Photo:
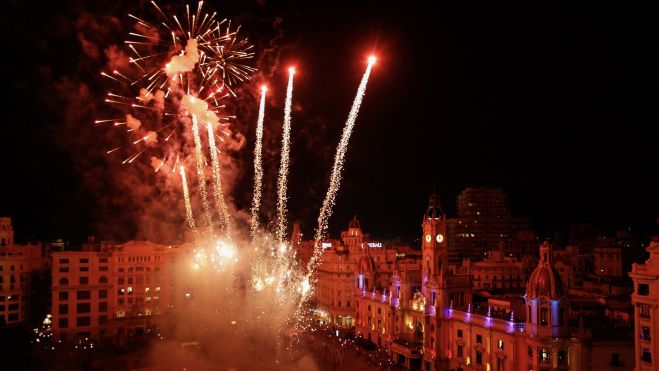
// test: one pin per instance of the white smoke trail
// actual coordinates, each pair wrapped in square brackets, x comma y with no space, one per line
[186,195]
[283,166]
[217,183]
[258,169]
[201,173]
[335,178]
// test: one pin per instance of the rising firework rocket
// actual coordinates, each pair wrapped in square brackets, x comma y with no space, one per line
[258,168]
[335,178]
[283,166]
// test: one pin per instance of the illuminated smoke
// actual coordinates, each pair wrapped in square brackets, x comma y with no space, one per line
[201,174]
[258,169]
[335,177]
[217,183]
[188,206]
[132,122]
[186,61]
[283,166]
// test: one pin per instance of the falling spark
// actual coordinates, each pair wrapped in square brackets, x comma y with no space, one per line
[283,166]
[201,176]
[335,177]
[217,183]
[188,206]
[258,168]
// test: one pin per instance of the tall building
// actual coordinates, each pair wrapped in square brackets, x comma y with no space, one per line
[646,310]
[23,275]
[483,221]
[112,291]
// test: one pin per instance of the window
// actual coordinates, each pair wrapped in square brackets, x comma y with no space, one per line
[646,355]
[500,344]
[83,308]
[64,269]
[459,333]
[459,351]
[103,260]
[83,321]
[63,281]
[84,295]
[544,314]
[121,281]
[379,311]
[102,294]
[544,355]
[644,310]
[645,333]
[64,261]
[348,303]
[103,306]
[103,279]
[63,309]
[615,359]
[13,306]
[84,269]
[530,351]
[102,320]
[63,295]
[84,280]
[63,322]
[479,358]
[84,261]
[479,339]
[643,289]
[339,303]
[103,268]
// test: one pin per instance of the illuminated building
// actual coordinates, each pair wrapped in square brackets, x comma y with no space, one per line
[427,319]
[607,258]
[483,221]
[111,291]
[646,310]
[22,272]
[498,271]
[342,262]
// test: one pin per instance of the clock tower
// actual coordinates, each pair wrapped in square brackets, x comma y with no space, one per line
[433,243]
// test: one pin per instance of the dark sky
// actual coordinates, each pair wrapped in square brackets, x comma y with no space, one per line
[555,104]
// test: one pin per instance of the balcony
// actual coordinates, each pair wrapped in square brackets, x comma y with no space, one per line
[410,349]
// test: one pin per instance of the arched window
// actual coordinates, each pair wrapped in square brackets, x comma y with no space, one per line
[63,281]
[103,279]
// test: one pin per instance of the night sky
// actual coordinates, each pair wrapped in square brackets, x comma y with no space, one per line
[555,104]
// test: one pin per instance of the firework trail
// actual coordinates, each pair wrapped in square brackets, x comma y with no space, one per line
[201,176]
[335,178]
[258,169]
[283,166]
[188,206]
[217,183]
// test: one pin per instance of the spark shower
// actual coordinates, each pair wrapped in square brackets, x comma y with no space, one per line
[183,71]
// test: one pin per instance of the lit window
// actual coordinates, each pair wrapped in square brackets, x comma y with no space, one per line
[500,344]
[544,355]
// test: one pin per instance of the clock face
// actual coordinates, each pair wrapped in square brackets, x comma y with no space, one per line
[440,238]
[428,238]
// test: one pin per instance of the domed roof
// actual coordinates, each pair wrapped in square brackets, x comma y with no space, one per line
[366,264]
[354,223]
[545,282]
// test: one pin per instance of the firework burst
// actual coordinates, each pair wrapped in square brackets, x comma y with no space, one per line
[194,54]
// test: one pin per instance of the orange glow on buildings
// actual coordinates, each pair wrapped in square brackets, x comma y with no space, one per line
[112,291]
